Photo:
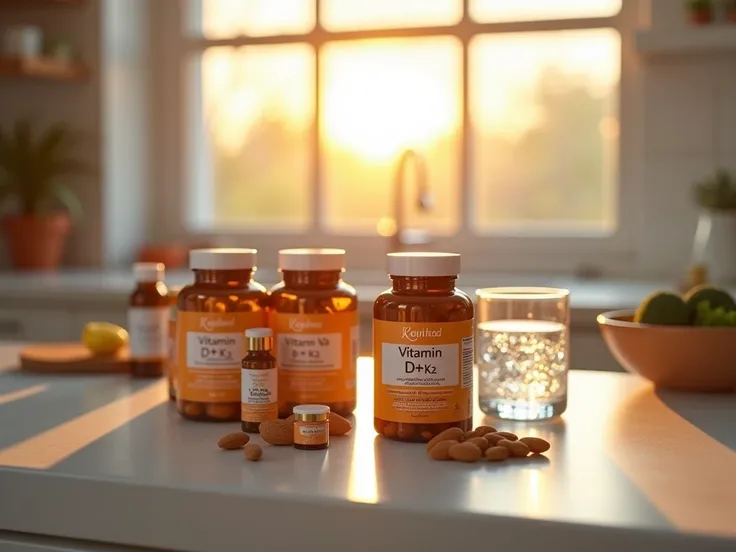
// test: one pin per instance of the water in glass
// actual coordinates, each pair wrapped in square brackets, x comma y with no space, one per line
[523,368]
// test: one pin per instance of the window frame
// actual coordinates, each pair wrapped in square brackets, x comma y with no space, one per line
[614,254]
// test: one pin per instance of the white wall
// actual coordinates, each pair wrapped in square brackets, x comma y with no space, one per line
[689,130]
[76,103]
[126,128]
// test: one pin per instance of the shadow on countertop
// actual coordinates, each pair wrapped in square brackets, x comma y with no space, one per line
[712,413]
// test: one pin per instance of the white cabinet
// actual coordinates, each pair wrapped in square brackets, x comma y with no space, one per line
[34,325]
[588,351]
[59,324]
[26,542]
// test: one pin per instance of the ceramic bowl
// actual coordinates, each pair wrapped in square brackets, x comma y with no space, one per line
[675,357]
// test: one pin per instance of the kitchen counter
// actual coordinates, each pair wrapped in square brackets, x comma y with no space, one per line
[107,459]
[111,288]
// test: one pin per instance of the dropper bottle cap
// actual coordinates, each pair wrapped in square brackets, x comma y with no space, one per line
[259,339]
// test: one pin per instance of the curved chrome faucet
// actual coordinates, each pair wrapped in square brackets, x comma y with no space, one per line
[424,200]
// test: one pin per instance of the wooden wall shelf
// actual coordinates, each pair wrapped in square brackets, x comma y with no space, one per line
[20,4]
[43,69]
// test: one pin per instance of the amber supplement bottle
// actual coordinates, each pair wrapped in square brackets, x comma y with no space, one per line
[423,349]
[172,366]
[148,322]
[259,381]
[311,427]
[212,316]
[314,317]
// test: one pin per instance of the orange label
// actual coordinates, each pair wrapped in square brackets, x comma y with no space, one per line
[317,355]
[424,371]
[311,433]
[210,348]
[259,395]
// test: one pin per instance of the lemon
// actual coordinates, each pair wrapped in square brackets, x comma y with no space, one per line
[104,338]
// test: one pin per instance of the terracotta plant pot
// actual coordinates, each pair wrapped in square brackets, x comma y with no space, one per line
[36,243]
[701,17]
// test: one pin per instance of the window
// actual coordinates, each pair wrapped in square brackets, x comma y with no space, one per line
[292,116]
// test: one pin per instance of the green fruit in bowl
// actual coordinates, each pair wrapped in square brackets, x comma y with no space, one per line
[663,308]
[717,317]
[716,297]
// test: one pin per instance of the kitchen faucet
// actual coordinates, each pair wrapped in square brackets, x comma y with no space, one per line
[424,201]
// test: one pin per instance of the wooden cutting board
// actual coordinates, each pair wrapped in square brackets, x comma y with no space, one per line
[72,358]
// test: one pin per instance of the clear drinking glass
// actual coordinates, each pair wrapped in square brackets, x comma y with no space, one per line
[522,351]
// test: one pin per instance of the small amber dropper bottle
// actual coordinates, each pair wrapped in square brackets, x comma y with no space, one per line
[259,381]
[148,321]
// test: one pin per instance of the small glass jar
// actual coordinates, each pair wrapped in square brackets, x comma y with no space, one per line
[311,427]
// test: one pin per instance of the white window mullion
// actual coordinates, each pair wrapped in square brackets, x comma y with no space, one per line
[466,142]
[200,178]
[317,187]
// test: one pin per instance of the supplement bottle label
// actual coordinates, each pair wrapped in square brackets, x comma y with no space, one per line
[311,433]
[317,356]
[148,328]
[211,346]
[259,396]
[424,371]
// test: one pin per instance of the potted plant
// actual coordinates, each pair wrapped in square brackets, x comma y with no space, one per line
[700,12]
[41,208]
[715,237]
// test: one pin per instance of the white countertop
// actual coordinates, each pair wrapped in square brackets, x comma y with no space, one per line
[106,458]
[106,288]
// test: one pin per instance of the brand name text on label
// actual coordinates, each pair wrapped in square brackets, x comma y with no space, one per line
[413,334]
[212,324]
[302,324]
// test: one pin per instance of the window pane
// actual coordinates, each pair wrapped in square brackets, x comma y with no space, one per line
[530,10]
[366,14]
[228,18]
[250,158]
[545,129]
[379,98]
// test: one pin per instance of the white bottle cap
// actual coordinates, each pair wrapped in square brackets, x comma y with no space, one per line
[149,272]
[312,259]
[423,264]
[222,259]
[311,409]
[258,332]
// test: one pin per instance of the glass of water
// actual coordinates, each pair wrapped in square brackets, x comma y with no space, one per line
[523,351]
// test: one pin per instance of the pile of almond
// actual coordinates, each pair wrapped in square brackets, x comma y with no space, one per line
[239,440]
[471,446]
[276,432]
